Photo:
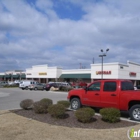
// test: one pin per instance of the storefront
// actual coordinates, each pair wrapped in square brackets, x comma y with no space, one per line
[12,75]
[129,71]
[44,73]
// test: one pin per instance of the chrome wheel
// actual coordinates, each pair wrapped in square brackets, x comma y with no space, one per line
[136,113]
[75,103]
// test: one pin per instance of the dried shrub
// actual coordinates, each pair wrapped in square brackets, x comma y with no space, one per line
[40,107]
[111,115]
[65,103]
[85,114]
[57,110]
[26,104]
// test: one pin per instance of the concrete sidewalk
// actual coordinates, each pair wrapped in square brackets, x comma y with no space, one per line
[14,127]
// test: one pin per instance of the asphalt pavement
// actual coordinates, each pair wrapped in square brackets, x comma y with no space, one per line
[10,98]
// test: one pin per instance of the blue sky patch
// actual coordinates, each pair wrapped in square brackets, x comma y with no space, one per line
[68,10]
[57,48]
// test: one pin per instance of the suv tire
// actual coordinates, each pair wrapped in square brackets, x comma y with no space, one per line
[134,112]
[75,103]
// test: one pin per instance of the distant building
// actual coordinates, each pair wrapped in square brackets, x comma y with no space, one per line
[44,73]
[12,75]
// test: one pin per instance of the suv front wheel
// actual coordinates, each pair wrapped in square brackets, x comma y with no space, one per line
[75,103]
[134,112]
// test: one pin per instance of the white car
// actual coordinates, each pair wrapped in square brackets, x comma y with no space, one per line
[24,84]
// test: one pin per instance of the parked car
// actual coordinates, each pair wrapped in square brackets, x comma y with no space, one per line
[36,86]
[49,85]
[24,84]
[65,84]
[3,83]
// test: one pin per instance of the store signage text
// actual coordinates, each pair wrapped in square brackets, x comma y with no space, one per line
[103,72]
[42,73]
[132,74]
[28,74]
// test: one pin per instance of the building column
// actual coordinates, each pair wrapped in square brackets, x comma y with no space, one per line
[39,80]
[55,79]
[46,80]
[135,83]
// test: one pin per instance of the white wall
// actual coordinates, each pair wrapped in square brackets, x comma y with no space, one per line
[130,67]
[43,71]
[118,70]
[113,67]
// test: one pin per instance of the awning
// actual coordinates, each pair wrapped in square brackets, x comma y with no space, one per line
[23,76]
[1,76]
[7,76]
[15,76]
[82,76]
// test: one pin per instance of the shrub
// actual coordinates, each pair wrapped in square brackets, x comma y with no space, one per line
[111,115]
[47,101]
[57,110]
[26,104]
[65,103]
[84,114]
[40,107]
[10,86]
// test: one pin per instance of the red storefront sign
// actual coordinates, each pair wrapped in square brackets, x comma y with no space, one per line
[132,74]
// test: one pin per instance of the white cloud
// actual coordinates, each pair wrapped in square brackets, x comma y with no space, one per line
[30,33]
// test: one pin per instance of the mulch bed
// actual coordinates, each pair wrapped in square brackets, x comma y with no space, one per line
[71,121]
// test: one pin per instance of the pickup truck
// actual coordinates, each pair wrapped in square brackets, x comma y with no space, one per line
[118,94]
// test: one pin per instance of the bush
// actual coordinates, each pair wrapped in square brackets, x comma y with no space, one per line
[111,115]
[57,110]
[65,103]
[10,86]
[47,101]
[84,114]
[26,104]
[40,107]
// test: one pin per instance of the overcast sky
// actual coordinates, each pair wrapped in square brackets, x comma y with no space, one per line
[65,33]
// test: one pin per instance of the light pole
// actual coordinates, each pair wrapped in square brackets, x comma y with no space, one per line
[103,55]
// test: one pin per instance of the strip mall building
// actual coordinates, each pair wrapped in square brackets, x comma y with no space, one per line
[44,73]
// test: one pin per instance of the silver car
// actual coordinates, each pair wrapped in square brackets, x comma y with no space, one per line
[37,86]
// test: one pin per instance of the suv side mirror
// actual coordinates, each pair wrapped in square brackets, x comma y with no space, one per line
[85,88]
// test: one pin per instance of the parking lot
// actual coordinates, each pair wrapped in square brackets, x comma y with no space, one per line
[10,98]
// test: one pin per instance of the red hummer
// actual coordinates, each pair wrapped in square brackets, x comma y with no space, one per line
[119,94]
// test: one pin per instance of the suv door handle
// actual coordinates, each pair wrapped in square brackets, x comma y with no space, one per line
[97,94]
[113,95]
